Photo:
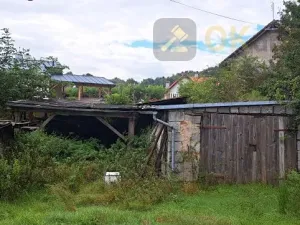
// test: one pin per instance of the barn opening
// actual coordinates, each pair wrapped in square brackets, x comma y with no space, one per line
[86,127]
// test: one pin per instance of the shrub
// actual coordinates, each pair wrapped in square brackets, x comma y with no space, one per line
[38,159]
[289,195]
[10,176]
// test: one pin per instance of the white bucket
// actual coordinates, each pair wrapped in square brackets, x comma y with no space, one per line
[112,177]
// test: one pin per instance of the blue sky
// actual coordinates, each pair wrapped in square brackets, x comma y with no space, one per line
[114,38]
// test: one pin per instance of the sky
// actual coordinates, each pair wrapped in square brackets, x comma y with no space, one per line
[114,38]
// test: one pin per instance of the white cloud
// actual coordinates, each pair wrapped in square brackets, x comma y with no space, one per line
[88,35]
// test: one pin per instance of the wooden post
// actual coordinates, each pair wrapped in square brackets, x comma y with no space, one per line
[100,92]
[131,127]
[281,149]
[17,116]
[80,90]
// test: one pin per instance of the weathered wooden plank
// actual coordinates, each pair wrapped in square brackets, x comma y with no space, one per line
[229,148]
[281,149]
[272,158]
[239,166]
[223,146]
[111,128]
[258,149]
[234,150]
[247,156]
[48,120]
[204,146]
[276,148]
[267,149]
[263,149]
[213,145]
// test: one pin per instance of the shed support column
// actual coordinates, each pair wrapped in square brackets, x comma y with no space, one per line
[131,126]
[100,92]
[80,90]
[17,116]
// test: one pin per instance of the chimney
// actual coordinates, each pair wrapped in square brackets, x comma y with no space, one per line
[196,75]
[167,84]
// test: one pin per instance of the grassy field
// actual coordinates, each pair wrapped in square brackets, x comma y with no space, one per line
[250,204]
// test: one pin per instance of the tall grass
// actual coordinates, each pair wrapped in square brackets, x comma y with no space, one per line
[36,160]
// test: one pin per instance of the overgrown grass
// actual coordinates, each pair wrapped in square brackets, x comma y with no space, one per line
[52,180]
[247,205]
[37,160]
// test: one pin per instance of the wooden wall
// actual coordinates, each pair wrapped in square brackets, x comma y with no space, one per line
[247,148]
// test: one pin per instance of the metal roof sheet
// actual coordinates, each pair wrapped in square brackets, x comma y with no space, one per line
[212,105]
[82,79]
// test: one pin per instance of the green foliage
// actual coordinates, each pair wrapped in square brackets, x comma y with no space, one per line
[10,175]
[284,80]
[117,99]
[134,93]
[289,197]
[22,76]
[34,162]
[239,81]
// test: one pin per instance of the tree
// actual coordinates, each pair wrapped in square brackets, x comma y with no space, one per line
[21,76]
[131,81]
[239,81]
[284,79]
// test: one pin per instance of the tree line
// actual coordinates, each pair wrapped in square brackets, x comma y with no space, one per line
[24,77]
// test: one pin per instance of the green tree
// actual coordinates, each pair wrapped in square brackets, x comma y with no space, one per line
[284,79]
[239,81]
[21,76]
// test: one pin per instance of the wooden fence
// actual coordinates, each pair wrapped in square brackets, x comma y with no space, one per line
[247,148]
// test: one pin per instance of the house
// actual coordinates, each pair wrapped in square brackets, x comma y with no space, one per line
[260,45]
[173,89]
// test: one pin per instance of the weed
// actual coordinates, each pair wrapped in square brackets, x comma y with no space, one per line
[289,197]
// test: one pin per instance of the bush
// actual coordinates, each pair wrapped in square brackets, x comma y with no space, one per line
[10,176]
[289,197]
[37,160]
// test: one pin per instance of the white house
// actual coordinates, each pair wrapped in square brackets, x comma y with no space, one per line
[173,89]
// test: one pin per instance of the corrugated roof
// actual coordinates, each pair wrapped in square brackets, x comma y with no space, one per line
[82,79]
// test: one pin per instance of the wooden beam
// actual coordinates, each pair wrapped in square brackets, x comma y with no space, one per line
[100,92]
[44,124]
[281,149]
[111,128]
[80,90]
[131,126]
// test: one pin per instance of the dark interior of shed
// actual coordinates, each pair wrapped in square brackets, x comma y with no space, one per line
[86,127]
